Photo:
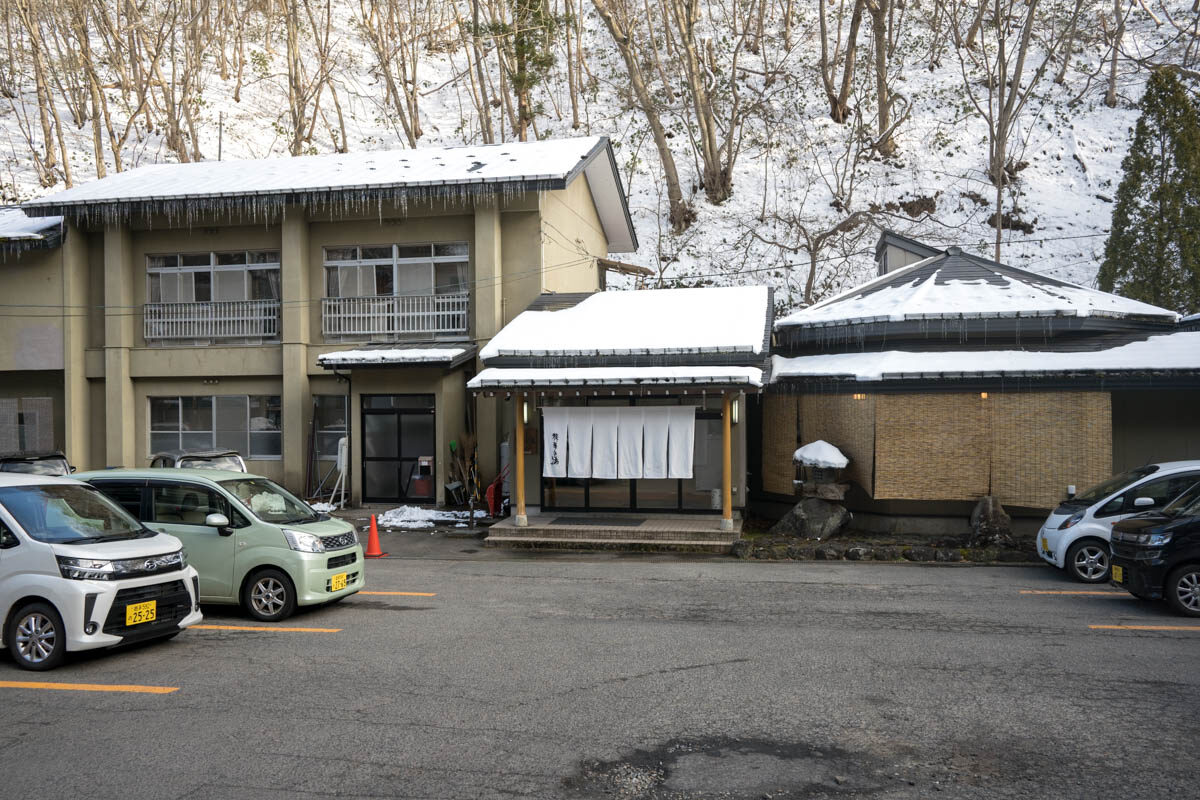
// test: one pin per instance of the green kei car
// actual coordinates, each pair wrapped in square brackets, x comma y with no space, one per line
[251,541]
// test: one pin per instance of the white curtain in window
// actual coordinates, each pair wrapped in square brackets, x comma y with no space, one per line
[681,440]
[629,442]
[579,443]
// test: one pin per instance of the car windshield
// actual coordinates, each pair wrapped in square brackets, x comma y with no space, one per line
[1113,484]
[269,501]
[37,466]
[231,463]
[69,514]
[1186,505]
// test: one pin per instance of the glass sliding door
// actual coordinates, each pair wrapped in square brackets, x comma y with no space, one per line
[398,448]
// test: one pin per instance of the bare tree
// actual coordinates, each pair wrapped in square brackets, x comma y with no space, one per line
[618,19]
[1001,62]
[839,94]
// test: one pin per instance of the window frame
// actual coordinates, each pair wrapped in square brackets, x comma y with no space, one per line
[155,273]
[249,455]
[331,266]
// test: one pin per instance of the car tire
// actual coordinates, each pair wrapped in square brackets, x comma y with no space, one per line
[1088,561]
[37,639]
[269,595]
[1183,590]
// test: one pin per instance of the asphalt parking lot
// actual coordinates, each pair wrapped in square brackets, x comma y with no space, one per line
[486,674]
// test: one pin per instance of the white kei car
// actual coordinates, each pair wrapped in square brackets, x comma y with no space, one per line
[1075,536]
[77,572]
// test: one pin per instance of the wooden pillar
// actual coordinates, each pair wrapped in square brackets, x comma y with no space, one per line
[519,445]
[726,463]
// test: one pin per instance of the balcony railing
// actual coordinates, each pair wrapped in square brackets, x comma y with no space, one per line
[227,319]
[393,317]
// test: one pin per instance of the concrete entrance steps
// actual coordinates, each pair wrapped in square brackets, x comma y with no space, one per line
[616,532]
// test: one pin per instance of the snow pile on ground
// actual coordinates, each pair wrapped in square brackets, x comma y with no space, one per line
[322,508]
[821,454]
[413,517]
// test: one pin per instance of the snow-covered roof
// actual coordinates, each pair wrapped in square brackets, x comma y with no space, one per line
[516,378]
[19,231]
[956,285]
[357,180]
[821,454]
[731,319]
[1167,352]
[397,356]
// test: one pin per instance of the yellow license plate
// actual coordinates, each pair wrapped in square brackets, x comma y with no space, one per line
[1118,574]
[137,613]
[337,582]
[1045,545]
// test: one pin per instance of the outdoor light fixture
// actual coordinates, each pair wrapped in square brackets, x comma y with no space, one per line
[860,397]
[525,411]
[733,411]
[983,395]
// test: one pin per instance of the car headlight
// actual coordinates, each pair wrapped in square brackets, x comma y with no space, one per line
[304,542]
[1071,521]
[86,569]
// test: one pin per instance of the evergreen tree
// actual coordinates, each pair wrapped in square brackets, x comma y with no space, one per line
[1153,251]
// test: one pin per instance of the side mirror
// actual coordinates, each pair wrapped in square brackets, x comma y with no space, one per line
[1143,502]
[220,522]
[72,470]
[7,538]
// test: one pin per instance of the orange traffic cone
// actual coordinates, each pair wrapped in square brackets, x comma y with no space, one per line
[373,550]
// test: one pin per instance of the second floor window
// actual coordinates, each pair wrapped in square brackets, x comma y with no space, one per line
[211,277]
[403,269]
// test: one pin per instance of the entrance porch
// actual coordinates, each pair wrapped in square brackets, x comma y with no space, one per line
[564,530]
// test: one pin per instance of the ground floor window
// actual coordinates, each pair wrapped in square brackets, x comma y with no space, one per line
[26,423]
[250,424]
[701,492]
[330,415]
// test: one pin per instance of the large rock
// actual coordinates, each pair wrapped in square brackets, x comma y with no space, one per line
[812,518]
[990,525]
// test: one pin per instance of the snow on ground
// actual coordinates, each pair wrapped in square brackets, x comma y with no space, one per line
[323,508]
[416,517]
[787,171]
[821,454]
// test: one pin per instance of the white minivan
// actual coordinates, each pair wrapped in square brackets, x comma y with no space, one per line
[1075,536]
[77,572]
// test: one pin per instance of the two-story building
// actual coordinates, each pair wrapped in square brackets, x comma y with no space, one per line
[274,307]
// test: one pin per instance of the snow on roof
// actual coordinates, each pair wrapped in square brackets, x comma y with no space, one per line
[956,285]
[821,454]
[16,225]
[660,321]
[399,355]
[262,184]
[514,378]
[1172,351]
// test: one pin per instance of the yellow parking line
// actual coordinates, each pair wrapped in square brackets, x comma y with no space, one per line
[1145,627]
[89,687]
[1077,592]
[404,594]
[262,628]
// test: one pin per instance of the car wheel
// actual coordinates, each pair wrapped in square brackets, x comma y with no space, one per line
[1183,590]
[36,637]
[1087,561]
[269,595]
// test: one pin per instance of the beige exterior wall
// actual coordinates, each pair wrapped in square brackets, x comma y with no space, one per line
[106,371]
[571,235]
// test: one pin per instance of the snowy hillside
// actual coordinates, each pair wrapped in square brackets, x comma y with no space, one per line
[796,170]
